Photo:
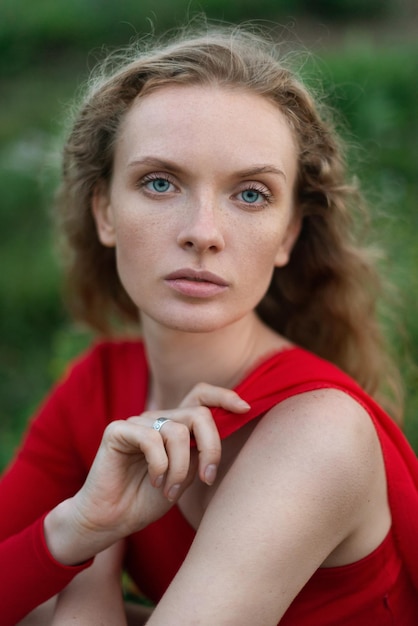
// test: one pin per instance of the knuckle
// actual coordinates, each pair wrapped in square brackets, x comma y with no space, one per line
[134,419]
[142,419]
[154,436]
[113,429]
[203,412]
[213,451]
[202,387]
[182,433]
[179,473]
[160,467]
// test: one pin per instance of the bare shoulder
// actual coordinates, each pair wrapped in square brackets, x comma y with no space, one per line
[324,444]
[301,492]
[326,421]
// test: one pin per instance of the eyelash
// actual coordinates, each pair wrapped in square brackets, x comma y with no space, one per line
[149,178]
[261,189]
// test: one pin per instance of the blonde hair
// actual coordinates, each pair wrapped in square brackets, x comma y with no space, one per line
[325,298]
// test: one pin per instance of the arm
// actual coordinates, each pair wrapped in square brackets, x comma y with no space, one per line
[92,597]
[96,592]
[301,485]
[95,595]
[119,496]
[44,472]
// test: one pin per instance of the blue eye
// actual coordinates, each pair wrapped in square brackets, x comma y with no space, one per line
[251,196]
[258,195]
[160,185]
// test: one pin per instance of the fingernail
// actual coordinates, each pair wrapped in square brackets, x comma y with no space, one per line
[159,481]
[173,492]
[243,404]
[210,474]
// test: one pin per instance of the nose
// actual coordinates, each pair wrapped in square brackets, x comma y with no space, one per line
[201,228]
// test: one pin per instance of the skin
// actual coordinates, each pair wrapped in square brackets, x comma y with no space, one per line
[203,180]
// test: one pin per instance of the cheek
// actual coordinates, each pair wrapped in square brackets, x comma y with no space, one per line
[131,251]
[262,245]
[134,234]
[257,260]
[141,244]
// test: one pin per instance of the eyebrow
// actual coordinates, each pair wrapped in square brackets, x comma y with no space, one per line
[168,165]
[155,162]
[261,169]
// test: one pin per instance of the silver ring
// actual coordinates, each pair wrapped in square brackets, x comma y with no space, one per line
[159,423]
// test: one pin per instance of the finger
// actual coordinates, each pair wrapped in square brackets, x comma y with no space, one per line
[130,437]
[189,478]
[176,438]
[204,394]
[208,443]
[200,423]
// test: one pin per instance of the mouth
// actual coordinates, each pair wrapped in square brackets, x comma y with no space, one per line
[196,283]
[198,276]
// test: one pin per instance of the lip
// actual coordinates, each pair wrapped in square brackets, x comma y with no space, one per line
[197,275]
[196,283]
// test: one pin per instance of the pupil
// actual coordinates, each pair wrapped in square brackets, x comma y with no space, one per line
[250,195]
[160,184]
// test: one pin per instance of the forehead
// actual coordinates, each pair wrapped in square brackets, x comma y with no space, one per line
[184,120]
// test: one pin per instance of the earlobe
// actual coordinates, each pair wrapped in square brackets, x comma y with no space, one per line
[102,214]
[293,231]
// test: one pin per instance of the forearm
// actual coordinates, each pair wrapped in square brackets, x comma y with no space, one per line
[95,595]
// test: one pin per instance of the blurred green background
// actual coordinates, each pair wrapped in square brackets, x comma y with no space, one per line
[366,57]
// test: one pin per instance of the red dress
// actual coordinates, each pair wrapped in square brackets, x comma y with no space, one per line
[109,383]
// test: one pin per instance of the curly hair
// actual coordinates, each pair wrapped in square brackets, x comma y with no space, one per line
[325,298]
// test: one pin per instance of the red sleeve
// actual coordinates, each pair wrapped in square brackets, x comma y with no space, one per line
[29,574]
[107,383]
[50,466]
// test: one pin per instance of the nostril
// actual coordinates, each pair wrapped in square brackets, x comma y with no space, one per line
[200,236]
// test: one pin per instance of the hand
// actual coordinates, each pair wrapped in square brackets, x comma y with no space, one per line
[138,473]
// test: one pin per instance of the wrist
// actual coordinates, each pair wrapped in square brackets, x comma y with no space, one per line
[68,540]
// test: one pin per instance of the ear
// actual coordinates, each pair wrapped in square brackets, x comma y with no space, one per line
[291,236]
[102,213]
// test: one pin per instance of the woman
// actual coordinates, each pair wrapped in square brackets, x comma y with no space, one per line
[237,476]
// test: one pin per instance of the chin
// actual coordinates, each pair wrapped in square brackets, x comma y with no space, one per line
[194,319]
[196,323]
[197,326]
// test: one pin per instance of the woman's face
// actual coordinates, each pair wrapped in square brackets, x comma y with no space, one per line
[200,204]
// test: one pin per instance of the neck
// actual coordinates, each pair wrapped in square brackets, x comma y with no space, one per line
[179,360]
